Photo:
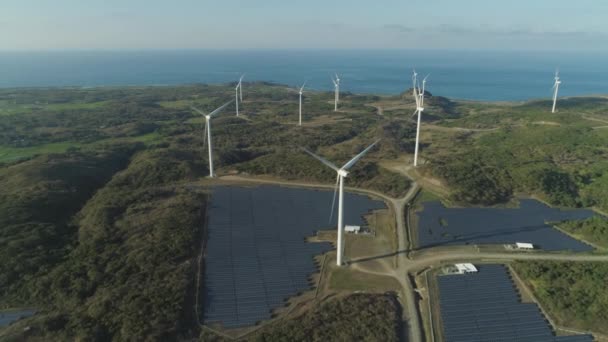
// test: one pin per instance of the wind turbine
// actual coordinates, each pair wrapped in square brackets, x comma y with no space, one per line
[301,91]
[419,97]
[207,134]
[341,174]
[239,87]
[555,89]
[337,91]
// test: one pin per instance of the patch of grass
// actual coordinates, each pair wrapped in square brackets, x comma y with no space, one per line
[75,105]
[345,279]
[381,241]
[427,196]
[10,154]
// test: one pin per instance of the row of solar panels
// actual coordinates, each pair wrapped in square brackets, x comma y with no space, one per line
[485,306]
[498,226]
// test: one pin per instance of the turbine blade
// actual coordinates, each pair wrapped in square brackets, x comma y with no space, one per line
[358,156]
[416,97]
[220,108]
[197,110]
[333,202]
[302,87]
[321,159]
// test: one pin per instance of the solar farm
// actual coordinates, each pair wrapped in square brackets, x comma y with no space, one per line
[486,306]
[438,225]
[256,253]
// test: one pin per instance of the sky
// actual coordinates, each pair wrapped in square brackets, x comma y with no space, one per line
[307,24]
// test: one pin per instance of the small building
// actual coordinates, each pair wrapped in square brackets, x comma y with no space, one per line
[352,229]
[524,245]
[465,268]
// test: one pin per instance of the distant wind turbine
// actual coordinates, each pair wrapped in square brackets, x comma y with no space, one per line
[341,174]
[337,91]
[419,97]
[207,134]
[239,87]
[555,90]
[301,91]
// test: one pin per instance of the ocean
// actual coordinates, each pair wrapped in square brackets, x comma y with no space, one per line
[475,75]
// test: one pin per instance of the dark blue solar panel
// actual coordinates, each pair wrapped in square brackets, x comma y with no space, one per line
[527,223]
[485,306]
[256,253]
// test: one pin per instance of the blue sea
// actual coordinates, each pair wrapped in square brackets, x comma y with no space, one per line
[476,75]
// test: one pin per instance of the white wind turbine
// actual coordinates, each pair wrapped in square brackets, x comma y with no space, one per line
[419,97]
[239,87]
[337,91]
[207,134]
[301,91]
[555,89]
[341,173]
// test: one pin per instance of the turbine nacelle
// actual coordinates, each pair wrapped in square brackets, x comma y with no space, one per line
[342,173]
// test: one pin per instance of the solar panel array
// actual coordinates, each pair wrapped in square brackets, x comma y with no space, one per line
[256,254]
[485,306]
[439,225]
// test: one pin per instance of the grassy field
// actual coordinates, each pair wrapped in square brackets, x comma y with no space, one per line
[381,240]
[344,279]
[11,154]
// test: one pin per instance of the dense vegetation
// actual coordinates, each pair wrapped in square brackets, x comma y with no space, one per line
[37,202]
[127,269]
[594,230]
[574,293]
[559,157]
[357,317]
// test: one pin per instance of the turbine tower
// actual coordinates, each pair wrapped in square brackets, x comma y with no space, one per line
[555,89]
[239,87]
[419,97]
[341,174]
[301,91]
[207,134]
[337,91]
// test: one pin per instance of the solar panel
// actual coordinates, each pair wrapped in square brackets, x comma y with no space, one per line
[439,225]
[485,306]
[256,253]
